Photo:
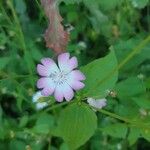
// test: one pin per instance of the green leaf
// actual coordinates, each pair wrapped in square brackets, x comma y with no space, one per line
[37,145]
[147,83]
[23,121]
[45,118]
[142,102]
[117,130]
[3,62]
[64,146]
[20,6]
[41,129]
[17,145]
[145,133]
[1,114]
[134,134]
[108,5]
[100,21]
[77,123]
[130,87]
[3,38]
[139,3]
[29,61]
[44,124]
[3,145]
[100,75]
[30,66]
[36,54]
[2,133]
[7,85]
[123,49]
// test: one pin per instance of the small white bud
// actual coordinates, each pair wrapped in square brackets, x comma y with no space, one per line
[99,103]
[36,99]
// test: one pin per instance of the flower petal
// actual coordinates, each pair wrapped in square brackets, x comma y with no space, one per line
[63,59]
[66,64]
[74,78]
[63,90]
[47,84]
[58,94]
[50,64]
[77,85]
[68,92]
[73,63]
[47,91]
[76,75]
[42,70]
[43,82]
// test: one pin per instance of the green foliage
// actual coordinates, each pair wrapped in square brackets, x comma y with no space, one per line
[108,5]
[3,62]
[44,124]
[139,3]
[16,144]
[133,135]
[23,121]
[142,102]
[100,76]
[116,130]
[20,7]
[81,127]
[124,47]
[121,75]
[136,88]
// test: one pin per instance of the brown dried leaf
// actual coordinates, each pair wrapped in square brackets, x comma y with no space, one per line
[55,36]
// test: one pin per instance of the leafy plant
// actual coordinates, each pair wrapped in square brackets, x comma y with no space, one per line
[111,41]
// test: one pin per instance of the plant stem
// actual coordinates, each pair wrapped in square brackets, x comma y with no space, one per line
[128,121]
[56,106]
[123,119]
[114,115]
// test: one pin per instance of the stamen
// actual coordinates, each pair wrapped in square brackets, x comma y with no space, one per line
[58,77]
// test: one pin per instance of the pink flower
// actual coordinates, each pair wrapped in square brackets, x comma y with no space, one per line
[61,80]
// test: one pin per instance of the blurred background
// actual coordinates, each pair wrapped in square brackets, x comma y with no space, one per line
[95,26]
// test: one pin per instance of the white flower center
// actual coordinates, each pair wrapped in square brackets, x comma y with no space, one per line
[58,77]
